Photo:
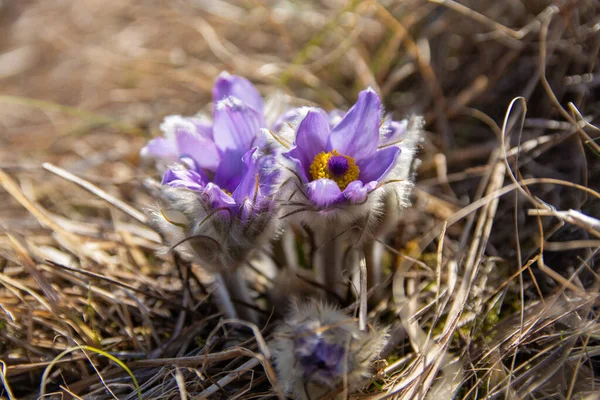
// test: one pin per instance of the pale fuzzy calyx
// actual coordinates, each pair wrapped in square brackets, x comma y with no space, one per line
[317,345]
[217,239]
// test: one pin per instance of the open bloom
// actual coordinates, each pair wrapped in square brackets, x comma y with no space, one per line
[343,164]
[354,168]
[318,345]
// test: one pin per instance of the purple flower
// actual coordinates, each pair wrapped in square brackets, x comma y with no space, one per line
[183,138]
[218,182]
[239,181]
[193,138]
[318,356]
[228,85]
[317,346]
[345,163]
[221,160]
[395,133]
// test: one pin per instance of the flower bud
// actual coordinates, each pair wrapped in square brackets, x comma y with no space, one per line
[318,346]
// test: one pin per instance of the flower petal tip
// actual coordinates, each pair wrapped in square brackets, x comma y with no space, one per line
[324,192]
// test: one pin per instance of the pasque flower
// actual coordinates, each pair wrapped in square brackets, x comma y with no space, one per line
[219,181]
[318,345]
[348,174]
[344,164]
[192,139]
[233,174]
[217,187]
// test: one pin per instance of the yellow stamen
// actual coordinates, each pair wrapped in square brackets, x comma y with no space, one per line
[319,169]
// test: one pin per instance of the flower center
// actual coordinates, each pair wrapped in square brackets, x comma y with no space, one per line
[338,165]
[332,165]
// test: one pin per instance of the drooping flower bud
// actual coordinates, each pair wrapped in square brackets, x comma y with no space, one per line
[318,346]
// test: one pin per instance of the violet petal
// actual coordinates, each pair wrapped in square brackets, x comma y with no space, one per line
[356,192]
[248,184]
[217,198]
[394,132]
[203,126]
[190,137]
[310,139]
[160,148]
[377,167]
[236,126]
[230,171]
[269,174]
[202,150]
[324,192]
[228,85]
[174,123]
[287,118]
[183,178]
[357,134]
[302,171]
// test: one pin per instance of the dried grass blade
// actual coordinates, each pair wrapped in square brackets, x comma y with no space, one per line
[92,349]
[120,204]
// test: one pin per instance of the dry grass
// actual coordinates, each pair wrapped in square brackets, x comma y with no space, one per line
[494,281]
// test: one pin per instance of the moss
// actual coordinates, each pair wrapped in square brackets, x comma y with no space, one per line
[200,341]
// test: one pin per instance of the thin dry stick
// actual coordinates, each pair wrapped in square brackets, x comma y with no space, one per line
[120,204]
[438,265]
[262,345]
[590,224]
[192,361]
[4,380]
[577,366]
[482,19]
[362,310]
[182,362]
[481,234]
[571,245]
[180,380]
[232,376]
[13,189]
[497,194]
[424,67]
[478,194]
[504,147]
[32,269]
[543,36]
[108,280]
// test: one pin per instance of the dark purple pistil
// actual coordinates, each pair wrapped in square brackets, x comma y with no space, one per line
[338,165]
[326,358]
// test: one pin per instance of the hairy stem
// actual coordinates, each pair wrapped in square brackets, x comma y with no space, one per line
[224,297]
[288,244]
[374,260]
[362,311]
[328,260]
[235,284]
